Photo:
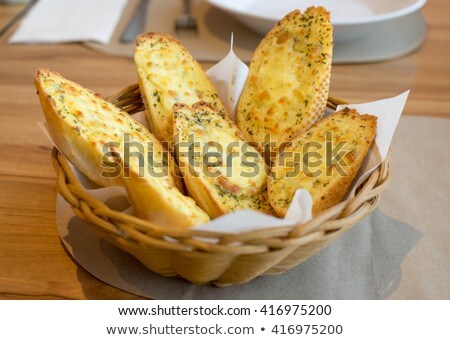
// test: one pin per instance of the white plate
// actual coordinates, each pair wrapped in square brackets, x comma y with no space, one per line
[350,18]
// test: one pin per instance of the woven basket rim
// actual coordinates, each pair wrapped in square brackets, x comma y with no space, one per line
[126,228]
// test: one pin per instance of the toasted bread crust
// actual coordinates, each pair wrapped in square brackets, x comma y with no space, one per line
[168,74]
[213,187]
[287,87]
[82,123]
[348,134]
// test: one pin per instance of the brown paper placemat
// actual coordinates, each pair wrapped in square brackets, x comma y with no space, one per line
[387,40]
[400,251]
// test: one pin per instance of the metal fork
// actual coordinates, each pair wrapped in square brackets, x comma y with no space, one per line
[186,21]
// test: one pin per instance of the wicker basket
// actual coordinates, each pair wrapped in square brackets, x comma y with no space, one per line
[234,259]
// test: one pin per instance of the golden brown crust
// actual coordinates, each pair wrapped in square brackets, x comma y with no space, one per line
[168,74]
[346,132]
[222,192]
[288,82]
[81,123]
[87,162]
[145,37]
[203,197]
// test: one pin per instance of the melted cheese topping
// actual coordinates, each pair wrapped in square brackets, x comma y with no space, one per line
[219,151]
[101,122]
[232,170]
[287,86]
[168,75]
[320,161]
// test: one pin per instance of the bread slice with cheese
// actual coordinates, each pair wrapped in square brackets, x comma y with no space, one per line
[287,87]
[168,74]
[222,172]
[92,132]
[325,160]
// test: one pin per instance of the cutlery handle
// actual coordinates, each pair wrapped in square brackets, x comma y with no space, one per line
[187,7]
[17,17]
[137,23]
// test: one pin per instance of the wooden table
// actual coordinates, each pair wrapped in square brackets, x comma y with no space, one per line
[33,263]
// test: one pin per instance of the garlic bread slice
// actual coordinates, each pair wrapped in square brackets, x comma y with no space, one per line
[325,161]
[287,87]
[222,172]
[168,74]
[86,128]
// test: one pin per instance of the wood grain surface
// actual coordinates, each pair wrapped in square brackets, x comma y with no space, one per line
[33,263]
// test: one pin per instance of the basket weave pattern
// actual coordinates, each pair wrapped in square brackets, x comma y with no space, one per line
[233,259]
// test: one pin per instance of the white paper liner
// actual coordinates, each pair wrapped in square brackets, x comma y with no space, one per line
[229,76]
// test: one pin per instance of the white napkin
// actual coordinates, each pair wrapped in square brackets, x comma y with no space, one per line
[55,21]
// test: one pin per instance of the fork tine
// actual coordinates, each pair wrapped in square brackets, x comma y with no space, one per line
[186,21]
